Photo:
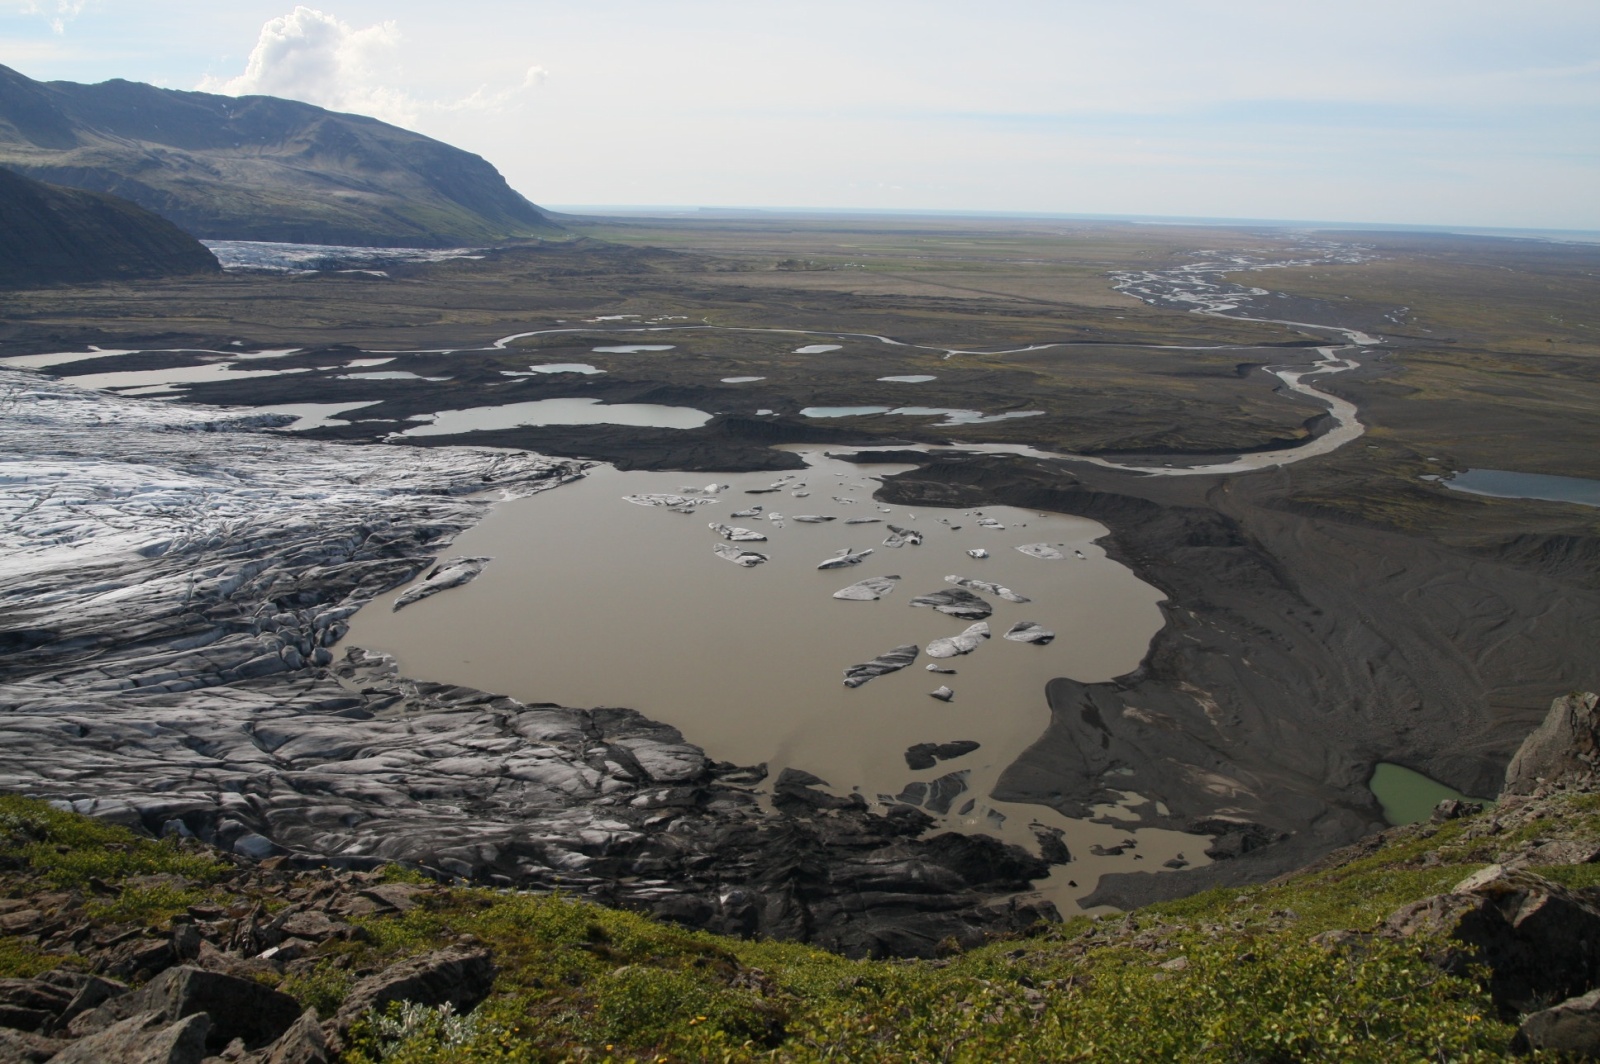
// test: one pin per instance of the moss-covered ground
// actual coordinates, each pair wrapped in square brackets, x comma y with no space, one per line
[1232,975]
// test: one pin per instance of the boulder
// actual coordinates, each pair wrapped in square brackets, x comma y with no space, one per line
[1572,1028]
[1455,809]
[1540,941]
[239,1008]
[145,1038]
[22,1047]
[1566,744]
[460,976]
[30,1004]
[302,1043]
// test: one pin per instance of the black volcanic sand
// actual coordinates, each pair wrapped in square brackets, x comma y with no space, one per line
[1297,653]
[1088,395]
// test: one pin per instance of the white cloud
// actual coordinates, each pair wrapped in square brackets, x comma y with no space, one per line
[59,13]
[317,58]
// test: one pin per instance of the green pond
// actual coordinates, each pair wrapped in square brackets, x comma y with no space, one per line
[1408,796]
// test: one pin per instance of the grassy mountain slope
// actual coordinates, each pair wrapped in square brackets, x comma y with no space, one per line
[1247,974]
[257,167]
[50,234]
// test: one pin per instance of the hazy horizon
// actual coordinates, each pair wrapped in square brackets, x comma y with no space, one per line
[1458,116]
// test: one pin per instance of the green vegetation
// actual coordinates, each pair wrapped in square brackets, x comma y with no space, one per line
[1230,975]
[67,850]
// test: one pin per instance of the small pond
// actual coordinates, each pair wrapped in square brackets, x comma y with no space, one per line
[1504,484]
[1408,797]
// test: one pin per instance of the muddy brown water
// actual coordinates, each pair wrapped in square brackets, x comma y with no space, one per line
[593,601]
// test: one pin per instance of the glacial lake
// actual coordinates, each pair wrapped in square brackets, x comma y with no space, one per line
[1407,796]
[1504,484]
[560,412]
[593,601]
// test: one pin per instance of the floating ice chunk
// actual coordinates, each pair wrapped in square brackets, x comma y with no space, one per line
[738,535]
[885,510]
[943,694]
[810,519]
[977,552]
[677,502]
[899,537]
[445,575]
[883,664]
[1078,554]
[869,590]
[863,520]
[1030,632]
[989,522]
[957,602]
[738,555]
[754,511]
[941,669]
[844,557]
[800,494]
[847,502]
[989,587]
[1041,550]
[965,643]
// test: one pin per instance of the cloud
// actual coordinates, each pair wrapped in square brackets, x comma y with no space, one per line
[317,58]
[59,13]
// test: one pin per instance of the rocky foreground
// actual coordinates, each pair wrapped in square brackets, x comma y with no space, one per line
[174,581]
[1468,938]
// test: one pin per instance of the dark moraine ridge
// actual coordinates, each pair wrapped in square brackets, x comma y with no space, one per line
[54,235]
[1297,653]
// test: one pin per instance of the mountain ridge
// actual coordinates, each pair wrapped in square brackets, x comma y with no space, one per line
[52,235]
[258,167]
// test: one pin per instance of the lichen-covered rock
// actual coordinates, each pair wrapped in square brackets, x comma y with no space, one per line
[1540,940]
[239,1008]
[147,1038]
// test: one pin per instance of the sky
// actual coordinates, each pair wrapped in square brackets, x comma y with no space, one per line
[1410,112]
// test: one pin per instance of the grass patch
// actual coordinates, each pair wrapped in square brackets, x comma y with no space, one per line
[68,850]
